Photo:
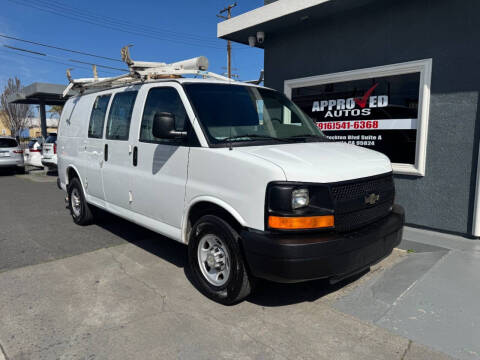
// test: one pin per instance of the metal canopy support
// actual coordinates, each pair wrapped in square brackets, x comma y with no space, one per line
[43,119]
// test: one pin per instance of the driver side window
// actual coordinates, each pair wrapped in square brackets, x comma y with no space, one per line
[162,99]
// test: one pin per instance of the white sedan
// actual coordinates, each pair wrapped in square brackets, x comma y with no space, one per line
[33,154]
[11,154]
[49,152]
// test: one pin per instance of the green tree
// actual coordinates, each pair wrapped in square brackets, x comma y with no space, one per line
[56,110]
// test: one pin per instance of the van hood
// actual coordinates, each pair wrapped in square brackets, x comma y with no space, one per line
[322,162]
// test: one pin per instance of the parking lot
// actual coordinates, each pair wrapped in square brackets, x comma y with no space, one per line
[114,290]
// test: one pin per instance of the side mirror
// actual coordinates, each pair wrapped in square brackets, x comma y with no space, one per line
[164,126]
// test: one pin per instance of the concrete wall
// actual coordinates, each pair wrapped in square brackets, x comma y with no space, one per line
[387,32]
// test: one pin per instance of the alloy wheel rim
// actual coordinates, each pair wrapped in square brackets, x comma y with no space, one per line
[75,202]
[213,260]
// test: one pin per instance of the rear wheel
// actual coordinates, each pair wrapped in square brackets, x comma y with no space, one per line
[216,261]
[79,208]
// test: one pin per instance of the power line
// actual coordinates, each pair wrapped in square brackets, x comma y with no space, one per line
[72,60]
[83,12]
[51,61]
[29,51]
[59,48]
[118,27]
[102,66]
[37,58]
[58,8]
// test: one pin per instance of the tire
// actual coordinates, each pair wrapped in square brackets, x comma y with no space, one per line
[79,208]
[216,261]
[20,170]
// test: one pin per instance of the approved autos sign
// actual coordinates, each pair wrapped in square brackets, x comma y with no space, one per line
[379,113]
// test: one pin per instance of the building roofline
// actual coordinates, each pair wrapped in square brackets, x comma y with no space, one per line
[264,14]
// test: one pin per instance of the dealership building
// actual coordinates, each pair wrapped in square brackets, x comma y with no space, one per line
[399,77]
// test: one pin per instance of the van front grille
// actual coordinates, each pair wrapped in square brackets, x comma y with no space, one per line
[360,202]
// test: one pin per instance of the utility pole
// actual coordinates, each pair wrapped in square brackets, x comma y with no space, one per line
[228,10]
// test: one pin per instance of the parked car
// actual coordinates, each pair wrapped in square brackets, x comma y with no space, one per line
[33,153]
[11,155]
[49,151]
[251,196]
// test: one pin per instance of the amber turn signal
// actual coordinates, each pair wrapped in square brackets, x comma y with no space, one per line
[306,222]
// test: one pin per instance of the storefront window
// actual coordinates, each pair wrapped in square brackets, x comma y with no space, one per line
[384,109]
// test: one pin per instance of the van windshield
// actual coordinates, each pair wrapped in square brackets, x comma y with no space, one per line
[244,114]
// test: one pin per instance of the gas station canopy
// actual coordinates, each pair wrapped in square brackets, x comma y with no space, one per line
[40,94]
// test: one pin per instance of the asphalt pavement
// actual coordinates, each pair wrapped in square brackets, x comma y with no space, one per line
[37,227]
[114,290]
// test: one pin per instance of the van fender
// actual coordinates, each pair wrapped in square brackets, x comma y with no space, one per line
[79,176]
[227,207]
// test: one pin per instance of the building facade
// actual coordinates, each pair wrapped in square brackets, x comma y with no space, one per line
[4,130]
[400,77]
[33,129]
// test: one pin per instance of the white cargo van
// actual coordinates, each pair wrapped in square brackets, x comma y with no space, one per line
[235,171]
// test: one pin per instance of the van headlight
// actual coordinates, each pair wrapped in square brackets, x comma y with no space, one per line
[298,206]
[300,198]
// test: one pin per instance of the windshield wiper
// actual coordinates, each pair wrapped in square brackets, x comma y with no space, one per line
[256,136]
[305,136]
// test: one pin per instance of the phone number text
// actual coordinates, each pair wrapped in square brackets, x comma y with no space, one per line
[346,125]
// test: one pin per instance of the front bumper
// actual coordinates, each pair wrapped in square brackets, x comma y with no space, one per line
[301,257]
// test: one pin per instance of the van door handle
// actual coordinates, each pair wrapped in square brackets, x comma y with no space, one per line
[135,156]
[105,152]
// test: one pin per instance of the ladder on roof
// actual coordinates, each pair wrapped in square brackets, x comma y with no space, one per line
[140,71]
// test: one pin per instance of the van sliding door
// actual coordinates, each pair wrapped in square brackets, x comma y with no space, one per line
[94,148]
[117,168]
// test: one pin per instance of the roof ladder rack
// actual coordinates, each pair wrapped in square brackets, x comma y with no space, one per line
[140,71]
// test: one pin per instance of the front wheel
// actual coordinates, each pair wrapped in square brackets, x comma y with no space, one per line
[79,208]
[216,261]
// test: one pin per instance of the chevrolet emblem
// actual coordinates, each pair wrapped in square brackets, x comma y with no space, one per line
[372,199]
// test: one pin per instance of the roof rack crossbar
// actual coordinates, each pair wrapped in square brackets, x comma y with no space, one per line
[256,82]
[142,71]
